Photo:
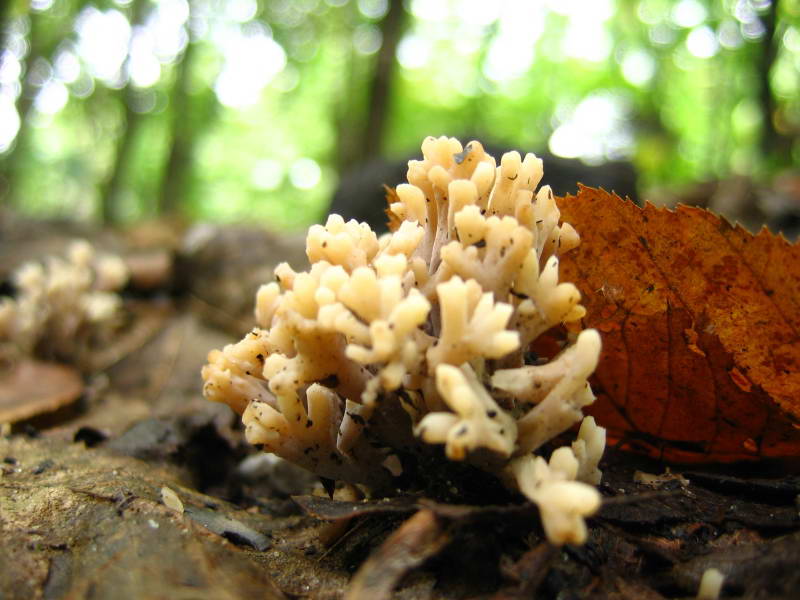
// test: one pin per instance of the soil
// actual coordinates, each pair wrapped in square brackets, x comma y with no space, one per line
[84,512]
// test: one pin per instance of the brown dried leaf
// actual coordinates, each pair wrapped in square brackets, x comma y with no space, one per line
[32,388]
[700,322]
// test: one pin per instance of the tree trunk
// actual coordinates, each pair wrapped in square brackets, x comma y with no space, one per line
[12,164]
[111,190]
[176,176]
[362,116]
[40,46]
[775,146]
[380,87]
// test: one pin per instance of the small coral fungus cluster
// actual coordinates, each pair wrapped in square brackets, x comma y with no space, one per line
[391,347]
[63,306]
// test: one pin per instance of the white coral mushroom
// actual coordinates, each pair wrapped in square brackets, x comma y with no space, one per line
[476,421]
[388,347]
[64,306]
[562,501]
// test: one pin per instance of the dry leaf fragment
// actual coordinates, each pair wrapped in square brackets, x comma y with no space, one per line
[654,480]
[700,322]
[419,538]
[33,388]
[171,500]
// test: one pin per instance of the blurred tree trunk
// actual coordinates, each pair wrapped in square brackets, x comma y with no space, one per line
[176,177]
[43,40]
[775,146]
[361,133]
[476,109]
[348,110]
[111,190]
[379,93]
[7,10]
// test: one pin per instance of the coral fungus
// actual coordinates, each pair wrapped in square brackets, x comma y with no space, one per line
[62,306]
[389,348]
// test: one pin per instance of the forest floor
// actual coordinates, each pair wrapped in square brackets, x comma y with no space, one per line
[87,506]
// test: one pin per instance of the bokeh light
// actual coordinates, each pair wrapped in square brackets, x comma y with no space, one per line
[261,106]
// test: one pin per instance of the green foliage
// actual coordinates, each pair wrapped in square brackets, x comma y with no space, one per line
[276,95]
